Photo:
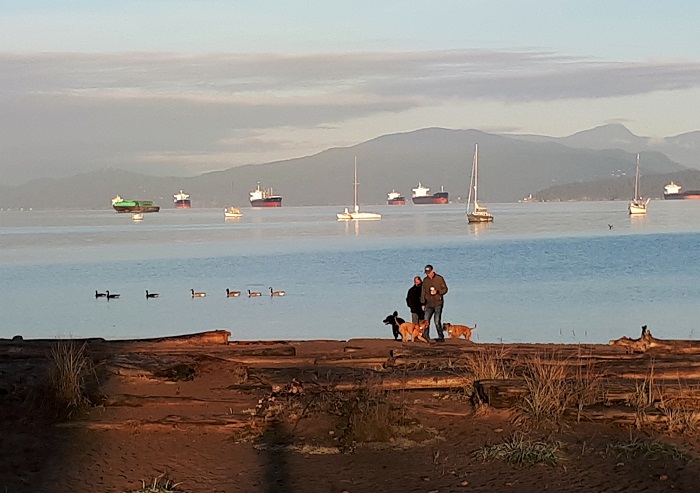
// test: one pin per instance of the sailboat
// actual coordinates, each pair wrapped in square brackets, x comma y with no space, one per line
[356,214]
[476,213]
[638,205]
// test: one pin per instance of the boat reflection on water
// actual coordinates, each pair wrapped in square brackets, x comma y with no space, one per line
[478,228]
[352,228]
[638,220]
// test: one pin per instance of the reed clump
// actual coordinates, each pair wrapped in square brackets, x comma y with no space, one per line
[681,414]
[491,364]
[70,385]
[548,390]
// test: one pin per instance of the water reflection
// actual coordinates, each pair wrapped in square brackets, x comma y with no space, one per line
[638,220]
[352,227]
[478,228]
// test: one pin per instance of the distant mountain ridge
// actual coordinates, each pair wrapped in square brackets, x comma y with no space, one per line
[683,149]
[511,167]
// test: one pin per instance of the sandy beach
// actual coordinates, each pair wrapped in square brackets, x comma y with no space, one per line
[202,414]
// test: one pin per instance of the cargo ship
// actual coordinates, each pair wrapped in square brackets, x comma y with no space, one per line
[264,197]
[395,198]
[421,195]
[121,205]
[673,192]
[182,200]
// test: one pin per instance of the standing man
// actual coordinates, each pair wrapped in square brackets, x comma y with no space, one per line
[434,288]
[413,300]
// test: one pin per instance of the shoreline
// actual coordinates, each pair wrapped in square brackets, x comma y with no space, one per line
[332,415]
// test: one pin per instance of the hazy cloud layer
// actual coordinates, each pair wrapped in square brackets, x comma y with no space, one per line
[184,114]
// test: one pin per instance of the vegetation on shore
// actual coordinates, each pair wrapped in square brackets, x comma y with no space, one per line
[342,403]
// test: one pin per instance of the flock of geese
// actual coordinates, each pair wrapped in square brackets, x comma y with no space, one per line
[195,294]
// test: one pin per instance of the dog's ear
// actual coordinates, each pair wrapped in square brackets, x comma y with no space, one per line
[396,314]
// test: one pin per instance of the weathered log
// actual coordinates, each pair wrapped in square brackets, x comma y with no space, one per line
[647,342]
[181,423]
[272,362]
[501,394]
[387,383]
[263,351]
[504,394]
[131,400]
[208,337]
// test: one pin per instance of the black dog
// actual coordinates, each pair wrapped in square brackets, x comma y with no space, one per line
[394,320]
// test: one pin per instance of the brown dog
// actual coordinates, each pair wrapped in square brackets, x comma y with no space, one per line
[457,331]
[413,331]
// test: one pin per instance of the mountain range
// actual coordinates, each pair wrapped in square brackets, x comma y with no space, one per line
[594,164]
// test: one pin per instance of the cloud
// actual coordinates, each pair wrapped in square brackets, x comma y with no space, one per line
[70,112]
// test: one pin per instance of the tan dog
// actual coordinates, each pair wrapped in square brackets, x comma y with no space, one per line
[413,331]
[457,331]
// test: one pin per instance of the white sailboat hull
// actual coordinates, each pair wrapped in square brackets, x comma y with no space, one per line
[479,217]
[638,207]
[347,216]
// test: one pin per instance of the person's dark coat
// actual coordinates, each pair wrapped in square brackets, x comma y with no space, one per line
[413,300]
[438,282]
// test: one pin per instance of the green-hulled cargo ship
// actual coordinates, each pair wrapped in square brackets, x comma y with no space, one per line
[121,205]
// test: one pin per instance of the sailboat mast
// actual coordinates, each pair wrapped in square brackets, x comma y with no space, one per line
[356,208]
[476,175]
[636,180]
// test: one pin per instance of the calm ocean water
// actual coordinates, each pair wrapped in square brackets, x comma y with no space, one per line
[542,272]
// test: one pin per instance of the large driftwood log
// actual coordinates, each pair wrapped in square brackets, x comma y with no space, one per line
[429,380]
[208,337]
[504,394]
[181,423]
[647,342]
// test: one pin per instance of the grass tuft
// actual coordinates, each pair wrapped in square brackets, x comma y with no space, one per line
[520,449]
[649,449]
[160,484]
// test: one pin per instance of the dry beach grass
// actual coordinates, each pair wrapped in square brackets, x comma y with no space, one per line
[199,414]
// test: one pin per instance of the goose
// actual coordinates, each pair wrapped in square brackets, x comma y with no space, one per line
[232,294]
[197,294]
[151,295]
[253,293]
[276,293]
[100,295]
[111,296]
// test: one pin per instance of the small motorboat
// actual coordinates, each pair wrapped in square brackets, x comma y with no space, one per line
[137,216]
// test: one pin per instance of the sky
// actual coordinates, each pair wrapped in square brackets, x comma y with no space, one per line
[179,88]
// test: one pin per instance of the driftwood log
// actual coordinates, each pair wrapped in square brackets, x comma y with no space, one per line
[647,342]
[505,394]
[246,371]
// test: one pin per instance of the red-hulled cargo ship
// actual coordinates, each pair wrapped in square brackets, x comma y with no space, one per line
[395,198]
[673,192]
[421,196]
[264,197]
[182,200]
